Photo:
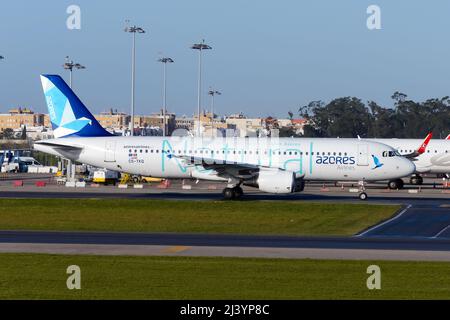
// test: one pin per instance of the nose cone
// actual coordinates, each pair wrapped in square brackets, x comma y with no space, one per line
[407,167]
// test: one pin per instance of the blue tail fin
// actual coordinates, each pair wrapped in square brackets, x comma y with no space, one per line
[68,114]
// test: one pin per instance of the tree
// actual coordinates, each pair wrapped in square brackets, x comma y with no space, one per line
[349,117]
[8,133]
[342,117]
[23,135]
[385,123]
[291,115]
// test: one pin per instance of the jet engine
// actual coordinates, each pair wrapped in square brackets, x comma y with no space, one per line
[277,181]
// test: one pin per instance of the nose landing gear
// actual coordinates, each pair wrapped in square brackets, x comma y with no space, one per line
[362,190]
[362,196]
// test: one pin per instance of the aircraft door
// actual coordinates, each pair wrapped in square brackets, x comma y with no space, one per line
[363,155]
[110,151]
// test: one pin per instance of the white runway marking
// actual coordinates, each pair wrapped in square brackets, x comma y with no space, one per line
[440,232]
[385,222]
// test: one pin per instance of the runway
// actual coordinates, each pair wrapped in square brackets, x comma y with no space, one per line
[421,231]
[165,244]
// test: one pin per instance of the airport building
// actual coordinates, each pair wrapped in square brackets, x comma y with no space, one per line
[18,117]
[39,126]
[156,120]
[113,119]
[184,123]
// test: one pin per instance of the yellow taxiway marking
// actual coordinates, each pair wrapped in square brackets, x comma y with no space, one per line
[176,249]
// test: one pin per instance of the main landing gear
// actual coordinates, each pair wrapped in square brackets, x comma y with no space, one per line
[416,180]
[232,193]
[395,184]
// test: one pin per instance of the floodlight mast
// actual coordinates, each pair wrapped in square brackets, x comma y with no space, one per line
[165,61]
[200,47]
[133,30]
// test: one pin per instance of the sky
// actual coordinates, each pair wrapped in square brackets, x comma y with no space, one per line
[267,57]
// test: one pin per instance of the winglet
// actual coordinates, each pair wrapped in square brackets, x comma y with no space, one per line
[424,144]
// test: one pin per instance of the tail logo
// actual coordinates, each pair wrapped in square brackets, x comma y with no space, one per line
[67,113]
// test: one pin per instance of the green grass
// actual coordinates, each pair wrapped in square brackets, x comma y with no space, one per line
[238,217]
[26,276]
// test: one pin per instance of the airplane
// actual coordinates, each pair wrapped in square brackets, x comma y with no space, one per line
[432,156]
[273,165]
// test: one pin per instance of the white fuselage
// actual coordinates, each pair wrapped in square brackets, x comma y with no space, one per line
[311,159]
[436,158]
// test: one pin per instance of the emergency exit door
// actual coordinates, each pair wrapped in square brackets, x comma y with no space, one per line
[363,155]
[110,151]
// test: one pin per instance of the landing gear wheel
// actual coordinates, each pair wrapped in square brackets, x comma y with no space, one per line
[362,196]
[416,180]
[395,184]
[238,192]
[228,194]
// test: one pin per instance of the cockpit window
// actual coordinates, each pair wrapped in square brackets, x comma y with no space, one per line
[390,154]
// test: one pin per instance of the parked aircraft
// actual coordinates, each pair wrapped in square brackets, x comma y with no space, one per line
[274,165]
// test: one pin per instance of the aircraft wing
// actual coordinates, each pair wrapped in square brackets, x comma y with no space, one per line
[422,148]
[235,169]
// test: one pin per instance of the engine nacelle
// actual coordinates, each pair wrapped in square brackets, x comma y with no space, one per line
[278,181]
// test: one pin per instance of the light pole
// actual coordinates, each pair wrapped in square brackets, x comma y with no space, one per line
[70,65]
[133,30]
[200,47]
[212,93]
[165,61]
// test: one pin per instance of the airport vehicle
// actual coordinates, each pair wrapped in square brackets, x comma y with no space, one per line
[21,161]
[105,176]
[7,163]
[429,156]
[139,179]
[273,165]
